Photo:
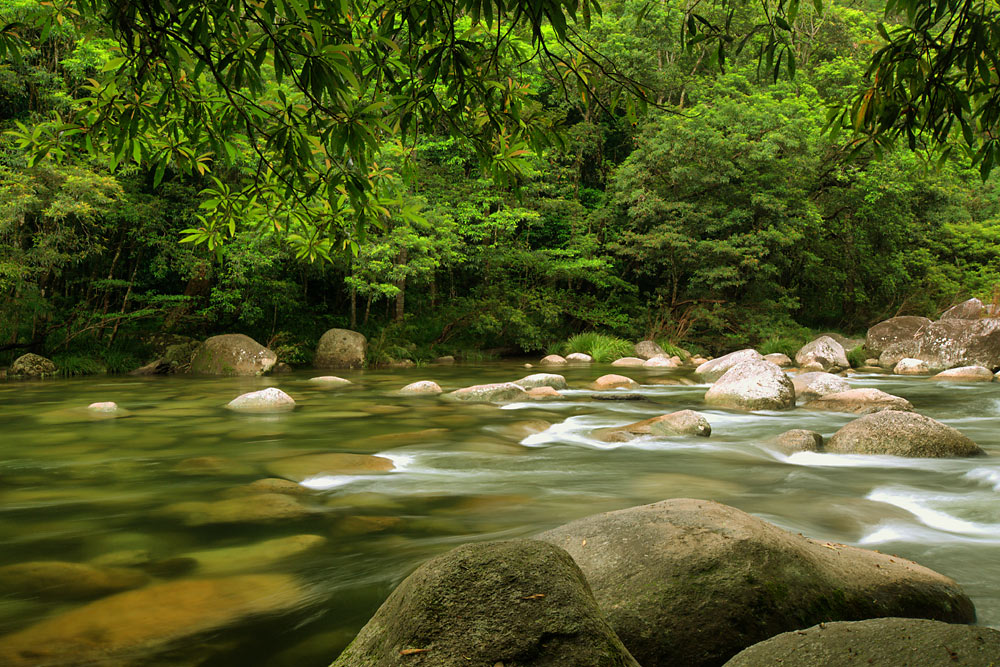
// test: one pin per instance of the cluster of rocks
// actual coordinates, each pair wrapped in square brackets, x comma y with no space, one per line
[679,582]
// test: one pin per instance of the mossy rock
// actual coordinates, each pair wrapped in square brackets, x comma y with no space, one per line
[693,582]
[515,603]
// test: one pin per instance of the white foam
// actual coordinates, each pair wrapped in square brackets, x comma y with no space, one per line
[926,507]
[866,461]
[327,482]
[988,476]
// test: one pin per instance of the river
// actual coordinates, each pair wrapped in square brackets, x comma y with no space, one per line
[76,488]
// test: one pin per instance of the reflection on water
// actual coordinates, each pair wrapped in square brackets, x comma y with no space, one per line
[184,501]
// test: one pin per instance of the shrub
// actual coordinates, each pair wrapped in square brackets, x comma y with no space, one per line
[857,356]
[786,345]
[77,364]
[602,348]
[673,350]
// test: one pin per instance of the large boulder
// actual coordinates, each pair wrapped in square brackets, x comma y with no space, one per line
[710,371]
[341,348]
[966,374]
[647,349]
[496,392]
[422,387]
[779,359]
[877,642]
[952,343]
[897,433]
[824,351]
[682,422]
[972,309]
[752,385]
[232,354]
[32,366]
[542,380]
[894,330]
[628,362]
[692,582]
[816,384]
[129,629]
[554,360]
[520,602]
[267,400]
[579,358]
[846,342]
[859,402]
[799,440]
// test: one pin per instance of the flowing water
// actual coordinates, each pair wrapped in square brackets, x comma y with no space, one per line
[76,488]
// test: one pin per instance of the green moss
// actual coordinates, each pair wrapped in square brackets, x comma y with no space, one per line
[857,356]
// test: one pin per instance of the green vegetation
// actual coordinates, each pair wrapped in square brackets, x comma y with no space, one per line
[857,356]
[602,348]
[358,171]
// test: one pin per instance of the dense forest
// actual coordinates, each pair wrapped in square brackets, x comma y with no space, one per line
[725,213]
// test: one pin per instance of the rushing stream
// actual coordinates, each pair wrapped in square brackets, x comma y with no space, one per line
[76,488]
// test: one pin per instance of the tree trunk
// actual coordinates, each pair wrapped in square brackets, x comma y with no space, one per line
[401,284]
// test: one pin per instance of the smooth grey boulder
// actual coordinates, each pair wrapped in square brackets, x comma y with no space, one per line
[971,309]
[966,374]
[692,582]
[710,371]
[752,385]
[542,380]
[647,349]
[613,381]
[232,354]
[816,384]
[496,392]
[859,402]
[422,387]
[518,602]
[628,362]
[901,329]
[341,348]
[553,360]
[846,342]
[271,399]
[952,343]
[878,642]
[897,433]
[825,351]
[580,358]
[908,366]
[32,366]
[779,359]
[682,422]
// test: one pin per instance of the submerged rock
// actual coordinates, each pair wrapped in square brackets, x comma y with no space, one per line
[271,399]
[860,402]
[422,387]
[58,580]
[250,557]
[897,433]
[612,381]
[129,629]
[692,582]
[878,642]
[232,354]
[103,407]
[824,351]
[298,468]
[520,602]
[32,366]
[682,422]
[497,392]
[813,385]
[542,380]
[710,371]
[966,374]
[752,385]
[341,348]
[259,508]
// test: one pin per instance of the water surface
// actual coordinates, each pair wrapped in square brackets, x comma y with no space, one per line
[74,488]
